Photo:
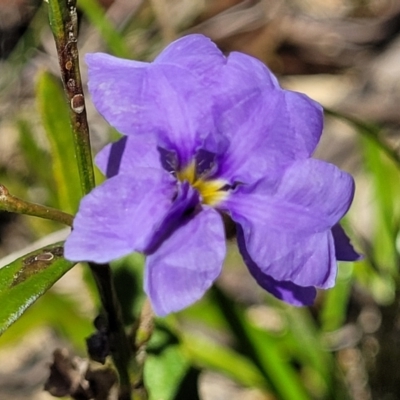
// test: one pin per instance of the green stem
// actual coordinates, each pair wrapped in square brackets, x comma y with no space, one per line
[10,203]
[63,22]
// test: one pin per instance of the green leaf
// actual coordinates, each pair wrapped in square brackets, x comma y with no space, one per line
[382,162]
[165,367]
[61,312]
[384,176]
[308,349]
[263,350]
[334,308]
[275,365]
[26,279]
[55,116]
[207,353]
[37,160]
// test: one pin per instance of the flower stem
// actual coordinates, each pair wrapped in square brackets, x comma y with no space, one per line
[64,25]
[10,203]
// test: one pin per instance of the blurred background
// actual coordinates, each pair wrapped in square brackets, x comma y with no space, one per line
[238,342]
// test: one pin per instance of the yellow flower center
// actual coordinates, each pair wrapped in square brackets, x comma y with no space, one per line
[211,191]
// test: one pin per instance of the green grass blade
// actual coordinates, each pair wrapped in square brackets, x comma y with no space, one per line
[55,116]
[265,352]
[385,177]
[207,353]
[334,308]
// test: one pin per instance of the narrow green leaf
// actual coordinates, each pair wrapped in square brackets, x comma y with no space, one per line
[55,116]
[36,158]
[275,365]
[385,178]
[333,313]
[263,350]
[308,348]
[57,13]
[382,161]
[26,279]
[59,311]
[210,354]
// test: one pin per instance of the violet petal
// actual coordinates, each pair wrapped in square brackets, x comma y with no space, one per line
[310,196]
[186,52]
[127,155]
[283,290]
[344,249]
[186,264]
[169,98]
[120,216]
[286,224]
[276,126]
[303,260]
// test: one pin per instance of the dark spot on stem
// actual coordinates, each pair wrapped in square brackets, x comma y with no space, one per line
[71,83]
[78,103]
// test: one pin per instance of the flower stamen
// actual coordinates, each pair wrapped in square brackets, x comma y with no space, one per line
[212,192]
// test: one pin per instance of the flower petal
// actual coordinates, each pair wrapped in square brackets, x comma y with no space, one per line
[275,126]
[249,131]
[196,53]
[286,290]
[127,155]
[343,247]
[185,265]
[303,260]
[185,202]
[120,216]
[169,98]
[289,292]
[305,117]
[308,197]
[244,74]
[286,222]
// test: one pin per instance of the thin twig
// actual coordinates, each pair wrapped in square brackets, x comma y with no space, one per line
[13,204]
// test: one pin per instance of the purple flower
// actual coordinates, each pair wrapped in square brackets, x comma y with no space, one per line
[208,135]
